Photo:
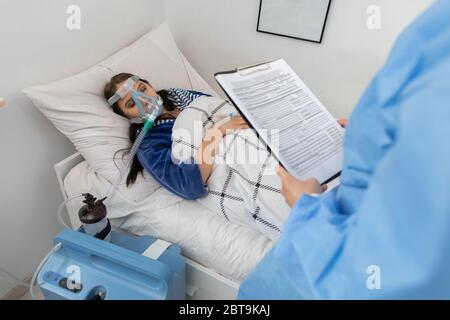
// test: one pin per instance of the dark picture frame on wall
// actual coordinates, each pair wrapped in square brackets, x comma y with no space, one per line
[296,19]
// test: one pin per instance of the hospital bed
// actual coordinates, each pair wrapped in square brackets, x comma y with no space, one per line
[219,254]
[204,281]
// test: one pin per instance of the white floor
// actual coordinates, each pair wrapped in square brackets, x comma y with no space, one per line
[37,293]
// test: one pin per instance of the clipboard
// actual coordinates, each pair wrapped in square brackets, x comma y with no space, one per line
[245,71]
[241,70]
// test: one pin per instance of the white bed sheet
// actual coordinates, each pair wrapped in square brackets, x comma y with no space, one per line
[204,236]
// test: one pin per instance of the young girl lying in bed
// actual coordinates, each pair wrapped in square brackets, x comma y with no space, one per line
[187,180]
[243,192]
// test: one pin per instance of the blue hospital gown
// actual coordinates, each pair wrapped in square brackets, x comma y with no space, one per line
[385,232]
[155,155]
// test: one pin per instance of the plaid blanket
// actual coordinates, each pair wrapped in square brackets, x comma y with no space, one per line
[243,187]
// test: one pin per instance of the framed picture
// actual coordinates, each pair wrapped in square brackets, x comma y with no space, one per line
[297,19]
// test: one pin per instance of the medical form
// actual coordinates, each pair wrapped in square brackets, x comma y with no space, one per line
[288,117]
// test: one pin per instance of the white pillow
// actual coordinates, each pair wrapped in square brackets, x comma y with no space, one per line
[77,107]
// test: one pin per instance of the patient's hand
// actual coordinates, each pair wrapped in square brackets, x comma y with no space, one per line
[343,122]
[232,125]
[292,188]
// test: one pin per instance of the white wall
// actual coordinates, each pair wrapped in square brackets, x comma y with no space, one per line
[37,48]
[218,34]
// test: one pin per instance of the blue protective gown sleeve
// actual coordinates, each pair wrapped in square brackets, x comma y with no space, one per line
[155,155]
[384,233]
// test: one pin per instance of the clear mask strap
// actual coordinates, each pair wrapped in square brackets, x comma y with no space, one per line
[137,120]
[122,92]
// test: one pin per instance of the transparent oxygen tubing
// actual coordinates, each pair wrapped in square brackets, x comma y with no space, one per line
[61,207]
[147,126]
[56,248]
[41,265]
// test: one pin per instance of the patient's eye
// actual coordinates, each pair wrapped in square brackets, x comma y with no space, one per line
[129,103]
[142,88]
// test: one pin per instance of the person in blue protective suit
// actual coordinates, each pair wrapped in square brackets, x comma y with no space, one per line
[385,232]
[187,179]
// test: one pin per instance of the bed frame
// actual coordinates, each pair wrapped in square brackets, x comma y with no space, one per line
[201,283]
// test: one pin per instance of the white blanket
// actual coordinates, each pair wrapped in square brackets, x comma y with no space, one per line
[205,237]
[243,187]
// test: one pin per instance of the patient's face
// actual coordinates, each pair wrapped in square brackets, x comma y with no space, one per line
[127,105]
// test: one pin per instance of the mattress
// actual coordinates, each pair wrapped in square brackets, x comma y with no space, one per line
[229,249]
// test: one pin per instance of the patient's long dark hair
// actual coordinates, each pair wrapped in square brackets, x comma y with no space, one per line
[110,90]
